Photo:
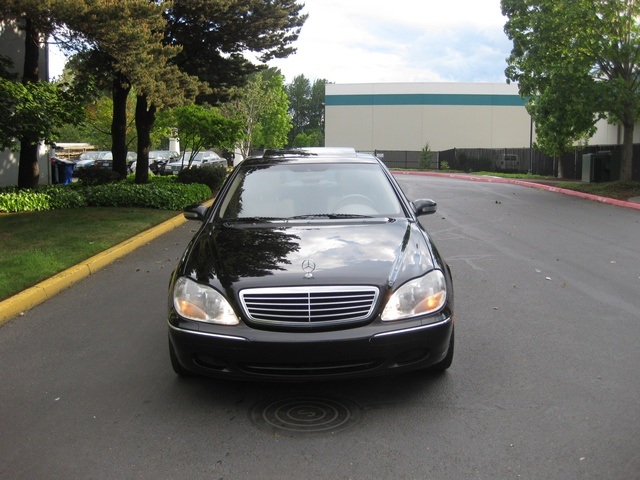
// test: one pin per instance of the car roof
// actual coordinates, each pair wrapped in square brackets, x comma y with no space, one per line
[312,155]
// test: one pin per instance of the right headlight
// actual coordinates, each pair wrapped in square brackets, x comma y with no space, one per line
[419,296]
[202,303]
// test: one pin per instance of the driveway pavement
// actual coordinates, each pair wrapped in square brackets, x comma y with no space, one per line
[37,294]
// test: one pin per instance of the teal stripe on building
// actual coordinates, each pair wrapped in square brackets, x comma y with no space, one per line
[423,99]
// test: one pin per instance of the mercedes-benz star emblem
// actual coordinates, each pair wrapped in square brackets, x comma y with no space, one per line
[308,266]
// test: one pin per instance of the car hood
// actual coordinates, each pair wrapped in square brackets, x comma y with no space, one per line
[382,252]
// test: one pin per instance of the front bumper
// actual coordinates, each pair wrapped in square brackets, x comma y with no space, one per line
[246,353]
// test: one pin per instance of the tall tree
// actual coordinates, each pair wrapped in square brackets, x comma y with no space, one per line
[316,108]
[307,102]
[577,60]
[299,92]
[215,37]
[261,108]
[275,123]
[128,35]
[36,19]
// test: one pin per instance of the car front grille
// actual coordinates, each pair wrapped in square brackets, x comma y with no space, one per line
[309,306]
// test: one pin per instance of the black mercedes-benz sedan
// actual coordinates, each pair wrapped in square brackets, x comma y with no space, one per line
[310,264]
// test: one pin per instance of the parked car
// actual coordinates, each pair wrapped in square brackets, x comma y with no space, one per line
[102,159]
[310,266]
[93,159]
[199,160]
[90,155]
[159,158]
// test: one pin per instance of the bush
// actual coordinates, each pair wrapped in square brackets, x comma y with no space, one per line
[23,200]
[426,155]
[213,177]
[60,196]
[162,194]
[97,176]
[167,196]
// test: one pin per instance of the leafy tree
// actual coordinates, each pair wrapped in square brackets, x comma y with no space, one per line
[275,123]
[128,36]
[261,107]
[316,108]
[307,102]
[36,18]
[202,127]
[299,92]
[576,61]
[39,109]
[306,140]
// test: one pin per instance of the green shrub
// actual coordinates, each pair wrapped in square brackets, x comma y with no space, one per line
[97,176]
[23,200]
[47,197]
[213,177]
[162,196]
[61,196]
[426,155]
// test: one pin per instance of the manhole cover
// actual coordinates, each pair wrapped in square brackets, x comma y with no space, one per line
[300,416]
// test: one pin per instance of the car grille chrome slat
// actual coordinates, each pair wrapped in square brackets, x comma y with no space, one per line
[309,305]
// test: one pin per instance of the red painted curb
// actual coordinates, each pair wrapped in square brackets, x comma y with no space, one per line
[525,183]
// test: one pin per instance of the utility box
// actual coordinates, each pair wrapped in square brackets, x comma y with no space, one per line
[600,167]
[507,162]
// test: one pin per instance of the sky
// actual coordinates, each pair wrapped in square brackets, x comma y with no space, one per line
[375,41]
[378,41]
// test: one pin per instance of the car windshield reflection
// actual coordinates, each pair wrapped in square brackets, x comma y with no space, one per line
[310,191]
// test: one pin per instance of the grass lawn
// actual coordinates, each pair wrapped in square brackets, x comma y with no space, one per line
[617,190]
[36,245]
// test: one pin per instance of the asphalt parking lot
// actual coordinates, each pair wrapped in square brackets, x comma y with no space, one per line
[544,383]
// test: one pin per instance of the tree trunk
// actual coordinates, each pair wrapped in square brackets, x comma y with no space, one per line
[121,88]
[145,118]
[28,167]
[626,162]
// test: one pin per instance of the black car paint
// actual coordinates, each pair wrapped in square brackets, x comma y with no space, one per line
[232,256]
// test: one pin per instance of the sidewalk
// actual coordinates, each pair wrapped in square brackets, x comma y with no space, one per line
[20,303]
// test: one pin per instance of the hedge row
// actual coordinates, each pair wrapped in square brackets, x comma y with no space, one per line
[163,193]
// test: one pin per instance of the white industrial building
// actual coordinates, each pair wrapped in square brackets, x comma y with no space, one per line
[406,116]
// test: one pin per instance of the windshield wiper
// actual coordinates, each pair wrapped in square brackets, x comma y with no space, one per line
[253,219]
[327,215]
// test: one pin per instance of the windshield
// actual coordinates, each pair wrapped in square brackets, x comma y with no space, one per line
[88,156]
[310,190]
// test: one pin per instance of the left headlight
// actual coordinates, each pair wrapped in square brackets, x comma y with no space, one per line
[419,296]
[201,303]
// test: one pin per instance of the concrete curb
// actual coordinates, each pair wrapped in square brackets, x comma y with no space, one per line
[525,183]
[29,298]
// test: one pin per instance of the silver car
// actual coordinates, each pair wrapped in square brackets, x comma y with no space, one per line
[201,159]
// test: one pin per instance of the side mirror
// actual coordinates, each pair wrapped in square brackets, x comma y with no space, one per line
[195,212]
[424,206]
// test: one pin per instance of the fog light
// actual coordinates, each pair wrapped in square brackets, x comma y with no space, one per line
[412,356]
